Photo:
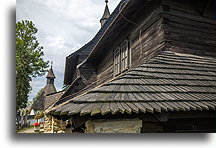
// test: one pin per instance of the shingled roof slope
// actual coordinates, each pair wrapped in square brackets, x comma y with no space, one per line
[52,98]
[168,82]
[40,103]
[87,48]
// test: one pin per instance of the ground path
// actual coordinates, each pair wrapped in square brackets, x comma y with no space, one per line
[28,130]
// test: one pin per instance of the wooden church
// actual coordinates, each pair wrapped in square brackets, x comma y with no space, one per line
[49,88]
[150,68]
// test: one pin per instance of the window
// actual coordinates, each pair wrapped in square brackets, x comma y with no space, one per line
[121,58]
[124,57]
[117,61]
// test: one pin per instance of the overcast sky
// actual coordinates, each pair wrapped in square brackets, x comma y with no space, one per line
[63,27]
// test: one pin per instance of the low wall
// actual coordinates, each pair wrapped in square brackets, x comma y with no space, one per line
[113,126]
[52,125]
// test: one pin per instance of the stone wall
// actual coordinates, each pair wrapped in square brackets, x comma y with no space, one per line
[113,126]
[52,125]
[47,124]
[59,126]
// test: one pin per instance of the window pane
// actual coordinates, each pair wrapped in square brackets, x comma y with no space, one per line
[124,51]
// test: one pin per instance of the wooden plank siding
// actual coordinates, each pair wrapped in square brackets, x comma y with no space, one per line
[176,25]
[188,31]
[167,24]
[105,69]
[87,73]
[170,82]
[151,40]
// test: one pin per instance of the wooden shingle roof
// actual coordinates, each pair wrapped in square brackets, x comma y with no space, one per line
[52,98]
[40,103]
[168,82]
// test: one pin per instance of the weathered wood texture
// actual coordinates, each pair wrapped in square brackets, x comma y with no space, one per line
[183,125]
[148,38]
[87,73]
[170,82]
[173,23]
[187,29]
[145,38]
[105,69]
[184,26]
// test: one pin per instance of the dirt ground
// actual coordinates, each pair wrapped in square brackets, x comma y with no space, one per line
[27,130]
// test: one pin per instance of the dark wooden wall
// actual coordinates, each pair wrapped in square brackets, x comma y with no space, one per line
[185,26]
[105,69]
[149,22]
[190,26]
[165,122]
[148,38]
[87,73]
[190,125]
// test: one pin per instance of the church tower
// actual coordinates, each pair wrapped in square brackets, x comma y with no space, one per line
[48,89]
[105,15]
[50,76]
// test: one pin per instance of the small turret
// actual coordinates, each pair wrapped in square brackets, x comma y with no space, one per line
[106,14]
[50,76]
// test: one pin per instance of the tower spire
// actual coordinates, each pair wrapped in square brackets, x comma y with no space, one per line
[50,76]
[51,63]
[106,14]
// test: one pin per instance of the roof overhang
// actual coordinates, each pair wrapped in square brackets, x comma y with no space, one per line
[126,16]
[70,68]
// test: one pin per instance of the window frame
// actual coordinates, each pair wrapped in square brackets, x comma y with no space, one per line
[121,58]
[124,55]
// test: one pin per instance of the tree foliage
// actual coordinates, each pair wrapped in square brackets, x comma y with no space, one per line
[29,60]
[36,98]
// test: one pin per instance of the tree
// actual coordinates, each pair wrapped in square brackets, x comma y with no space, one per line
[29,60]
[36,98]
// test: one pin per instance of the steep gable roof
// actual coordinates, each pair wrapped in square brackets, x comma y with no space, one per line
[40,103]
[71,64]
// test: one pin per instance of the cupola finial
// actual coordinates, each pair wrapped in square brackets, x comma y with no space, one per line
[106,14]
[51,63]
